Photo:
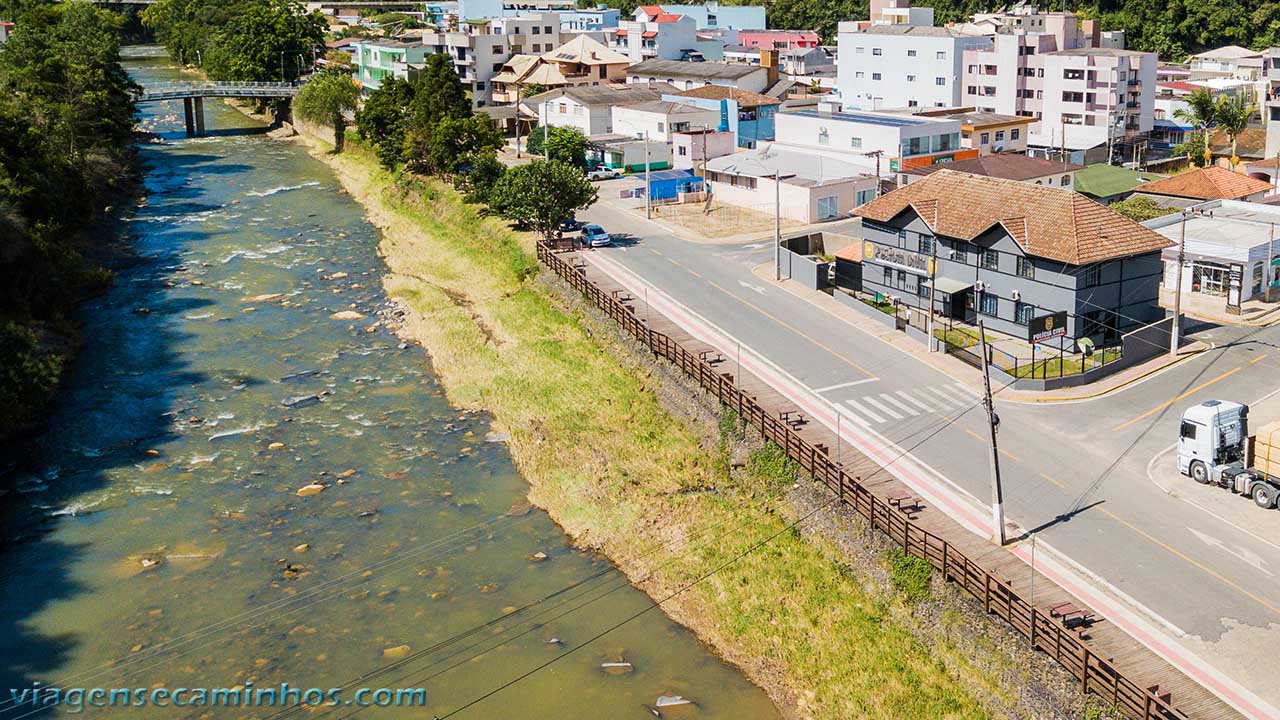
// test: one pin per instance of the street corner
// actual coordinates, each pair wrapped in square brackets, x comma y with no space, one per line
[1234,510]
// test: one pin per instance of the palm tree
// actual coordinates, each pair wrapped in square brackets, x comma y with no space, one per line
[1201,111]
[1232,114]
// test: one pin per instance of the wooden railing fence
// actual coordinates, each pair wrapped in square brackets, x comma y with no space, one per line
[1094,673]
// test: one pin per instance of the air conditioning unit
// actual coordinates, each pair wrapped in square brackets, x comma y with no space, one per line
[980,286]
[1017,295]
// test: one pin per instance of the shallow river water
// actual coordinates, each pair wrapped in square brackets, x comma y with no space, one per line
[155,536]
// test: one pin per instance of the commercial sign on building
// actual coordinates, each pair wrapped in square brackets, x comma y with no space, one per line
[898,258]
[1047,327]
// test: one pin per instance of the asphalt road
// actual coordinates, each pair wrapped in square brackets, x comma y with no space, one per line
[1074,473]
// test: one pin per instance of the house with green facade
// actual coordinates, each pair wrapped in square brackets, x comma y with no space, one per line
[376,60]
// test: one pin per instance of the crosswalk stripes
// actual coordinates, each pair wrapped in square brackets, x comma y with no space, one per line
[899,405]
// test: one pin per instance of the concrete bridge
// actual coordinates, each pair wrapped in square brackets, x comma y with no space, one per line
[192,95]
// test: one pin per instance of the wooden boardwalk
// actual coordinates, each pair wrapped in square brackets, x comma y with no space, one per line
[1104,659]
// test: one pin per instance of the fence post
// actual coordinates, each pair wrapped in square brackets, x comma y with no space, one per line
[1084,668]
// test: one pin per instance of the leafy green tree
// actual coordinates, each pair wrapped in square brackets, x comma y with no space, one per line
[326,99]
[477,184]
[252,40]
[438,94]
[453,144]
[541,194]
[1232,114]
[381,120]
[537,136]
[568,145]
[1202,112]
[1140,209]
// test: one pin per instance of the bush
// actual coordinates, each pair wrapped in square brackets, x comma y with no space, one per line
[29,374]
[909,574]
[770,463]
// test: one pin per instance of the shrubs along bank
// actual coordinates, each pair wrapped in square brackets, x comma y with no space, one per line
[66,123]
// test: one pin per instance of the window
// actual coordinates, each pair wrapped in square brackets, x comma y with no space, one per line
[902,278]
[561,108]
[824,138]
[888,277]
[911,53]
[875,76]
[859,50]
[859,74]
[866,196]
[855,142]
[1014,134]
[911,78]
[1025,268]
[1091,276]
[827,208]
[984,138]
[1066,180]
[682,151]
[941,55]
[922,290]
[536,30]
[926,244]
[999,136]
[939,81]
[990,260]
[902,238]
[990,305]
[1072,74]
[960,252]
[546,29]
[497,49]
[972,89]
[876,51]
[912,103]
[1188,431]
[1022,313]
[662,127]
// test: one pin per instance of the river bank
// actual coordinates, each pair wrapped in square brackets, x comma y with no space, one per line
[624,458]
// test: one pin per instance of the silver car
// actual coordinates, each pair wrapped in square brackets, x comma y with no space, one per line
[595,236]
[602,173]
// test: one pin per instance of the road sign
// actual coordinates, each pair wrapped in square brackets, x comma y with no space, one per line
[1047,327]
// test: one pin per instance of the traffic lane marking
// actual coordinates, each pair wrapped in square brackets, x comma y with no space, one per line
[790,327]
[838,386]
[905,466]
[1169,402]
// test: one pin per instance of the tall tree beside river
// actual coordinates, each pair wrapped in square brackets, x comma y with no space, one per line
[252,40]
[66,119]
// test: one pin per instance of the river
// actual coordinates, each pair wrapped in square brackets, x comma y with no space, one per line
[156,537]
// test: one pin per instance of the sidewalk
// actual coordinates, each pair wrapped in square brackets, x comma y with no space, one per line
[1253,313]
[965,372]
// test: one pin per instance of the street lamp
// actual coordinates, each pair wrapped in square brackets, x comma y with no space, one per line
[282,66]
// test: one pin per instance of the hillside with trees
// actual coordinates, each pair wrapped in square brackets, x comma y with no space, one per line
[251,40]
[66,123]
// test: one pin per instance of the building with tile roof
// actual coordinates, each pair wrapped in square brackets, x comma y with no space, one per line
[689,75]
[1208,183]
[750,116]
[1007,166]
[1007,251]
[589,108]
[580,61]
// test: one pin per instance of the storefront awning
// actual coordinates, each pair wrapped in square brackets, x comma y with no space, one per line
[951,286]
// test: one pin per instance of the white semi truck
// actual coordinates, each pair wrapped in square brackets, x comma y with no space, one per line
[1214,447]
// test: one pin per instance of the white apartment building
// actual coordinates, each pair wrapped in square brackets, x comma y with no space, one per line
[589,108]
[902,141]
[659,119]
[481,47]
[883,66]
[689,75]
[1075,94]
[714,16]
[660,37]
[899,12]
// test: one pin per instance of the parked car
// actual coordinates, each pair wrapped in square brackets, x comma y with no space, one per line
[569,225]
[602,173]
[595,236]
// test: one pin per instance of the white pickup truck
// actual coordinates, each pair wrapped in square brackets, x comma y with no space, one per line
[1214,447]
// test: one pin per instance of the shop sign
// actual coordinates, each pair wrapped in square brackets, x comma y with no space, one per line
[1047,327]
[898,258]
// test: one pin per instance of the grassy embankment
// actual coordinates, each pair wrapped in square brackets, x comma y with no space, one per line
[619,473]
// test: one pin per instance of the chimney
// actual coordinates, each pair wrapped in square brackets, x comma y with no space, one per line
[769,61]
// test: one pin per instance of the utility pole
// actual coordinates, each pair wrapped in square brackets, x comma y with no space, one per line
[546,118]
[993,422]
[1176,326]
[281,66]
[648,189]
[518,88]
[1271,254]
[933,285]
[777,224]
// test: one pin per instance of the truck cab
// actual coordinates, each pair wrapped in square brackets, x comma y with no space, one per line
[1212,439]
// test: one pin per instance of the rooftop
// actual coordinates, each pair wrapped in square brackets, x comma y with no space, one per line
[1048,222]
[917,31]
[744,98]
[1208,183]
[796,167]
[1228,234]
[607,95]
[1102,180]
[885,119]
[668,108]
[1227,52]
[1009,166]
[1250,143]
[700,70]
[587,51]
[1097,52]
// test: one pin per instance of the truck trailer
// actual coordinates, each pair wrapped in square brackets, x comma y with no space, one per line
[1215,448]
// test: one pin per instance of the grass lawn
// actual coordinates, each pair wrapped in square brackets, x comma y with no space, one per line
[618,472]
